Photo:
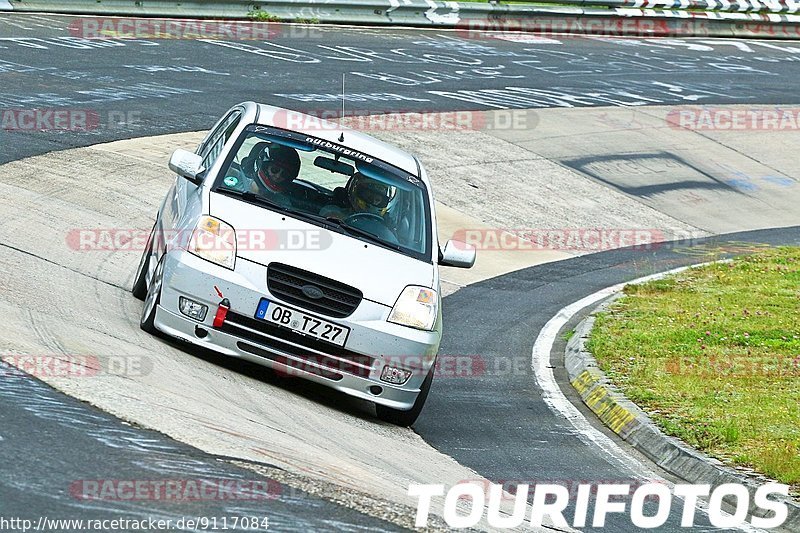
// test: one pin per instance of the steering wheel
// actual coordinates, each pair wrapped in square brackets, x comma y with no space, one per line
[374,224]
[355,218]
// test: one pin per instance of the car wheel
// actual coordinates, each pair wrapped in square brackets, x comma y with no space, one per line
[406,418]
[145,270]
[147,322]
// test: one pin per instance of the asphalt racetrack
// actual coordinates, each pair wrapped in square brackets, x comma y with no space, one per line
[496,424]
[148,87]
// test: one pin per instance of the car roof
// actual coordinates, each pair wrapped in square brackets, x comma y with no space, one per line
[330,131]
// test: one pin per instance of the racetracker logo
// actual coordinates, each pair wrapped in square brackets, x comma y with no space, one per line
[242,240]
[514,29]
[44,366]
[566,239]
[449,366]
[407,120]
[734,119]
[446,366]
[153,28]
[462,366]
[735,365]
[74,366]
[49,120]
[466,504]
[174,490]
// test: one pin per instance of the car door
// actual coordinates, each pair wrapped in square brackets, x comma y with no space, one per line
[184,202]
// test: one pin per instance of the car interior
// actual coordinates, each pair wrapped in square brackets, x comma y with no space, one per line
[323,181]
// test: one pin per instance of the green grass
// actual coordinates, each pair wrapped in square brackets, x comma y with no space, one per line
[258,15]
[713,355]
[262,16]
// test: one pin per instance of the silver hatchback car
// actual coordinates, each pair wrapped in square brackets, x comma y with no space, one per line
[311,249]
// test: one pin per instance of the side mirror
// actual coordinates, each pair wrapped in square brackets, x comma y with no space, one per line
[457,254]
[187,164]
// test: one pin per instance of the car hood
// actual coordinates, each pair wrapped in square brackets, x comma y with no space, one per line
[380,274]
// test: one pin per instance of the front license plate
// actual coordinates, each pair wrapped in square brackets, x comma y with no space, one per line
[302,323]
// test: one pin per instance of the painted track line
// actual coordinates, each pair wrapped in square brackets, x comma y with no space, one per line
[560,404]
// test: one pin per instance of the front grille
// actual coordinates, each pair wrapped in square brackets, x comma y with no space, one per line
[318,352]
[286,282]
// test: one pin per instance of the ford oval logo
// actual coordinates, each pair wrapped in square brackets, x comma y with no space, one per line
[313,292]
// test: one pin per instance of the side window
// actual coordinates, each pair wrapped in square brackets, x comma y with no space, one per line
[211,149]
[214,150]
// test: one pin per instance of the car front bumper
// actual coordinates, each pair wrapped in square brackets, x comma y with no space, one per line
[371,336]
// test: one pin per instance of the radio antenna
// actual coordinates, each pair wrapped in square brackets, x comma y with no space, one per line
[341,120]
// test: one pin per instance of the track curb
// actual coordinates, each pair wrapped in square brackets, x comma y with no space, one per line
[629,422]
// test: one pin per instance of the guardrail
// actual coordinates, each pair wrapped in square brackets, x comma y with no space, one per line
[683,18]
[743,6]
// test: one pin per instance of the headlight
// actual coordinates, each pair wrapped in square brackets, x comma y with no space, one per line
[417,307]
[215,241]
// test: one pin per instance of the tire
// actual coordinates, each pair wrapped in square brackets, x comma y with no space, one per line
[139,289]
[152,299]
[406,418]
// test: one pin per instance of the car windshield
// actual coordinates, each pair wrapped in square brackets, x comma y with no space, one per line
[331,185]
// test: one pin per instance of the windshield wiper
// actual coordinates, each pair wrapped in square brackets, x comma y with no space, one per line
[252,197]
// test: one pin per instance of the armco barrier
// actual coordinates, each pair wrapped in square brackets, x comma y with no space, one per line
[743,6]
[707,18]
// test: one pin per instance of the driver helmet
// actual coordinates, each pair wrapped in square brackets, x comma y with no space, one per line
[367,195]
[276,166]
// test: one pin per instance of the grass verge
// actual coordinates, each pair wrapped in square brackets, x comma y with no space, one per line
[713,356]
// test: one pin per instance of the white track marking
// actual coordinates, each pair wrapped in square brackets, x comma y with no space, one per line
[558,402]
